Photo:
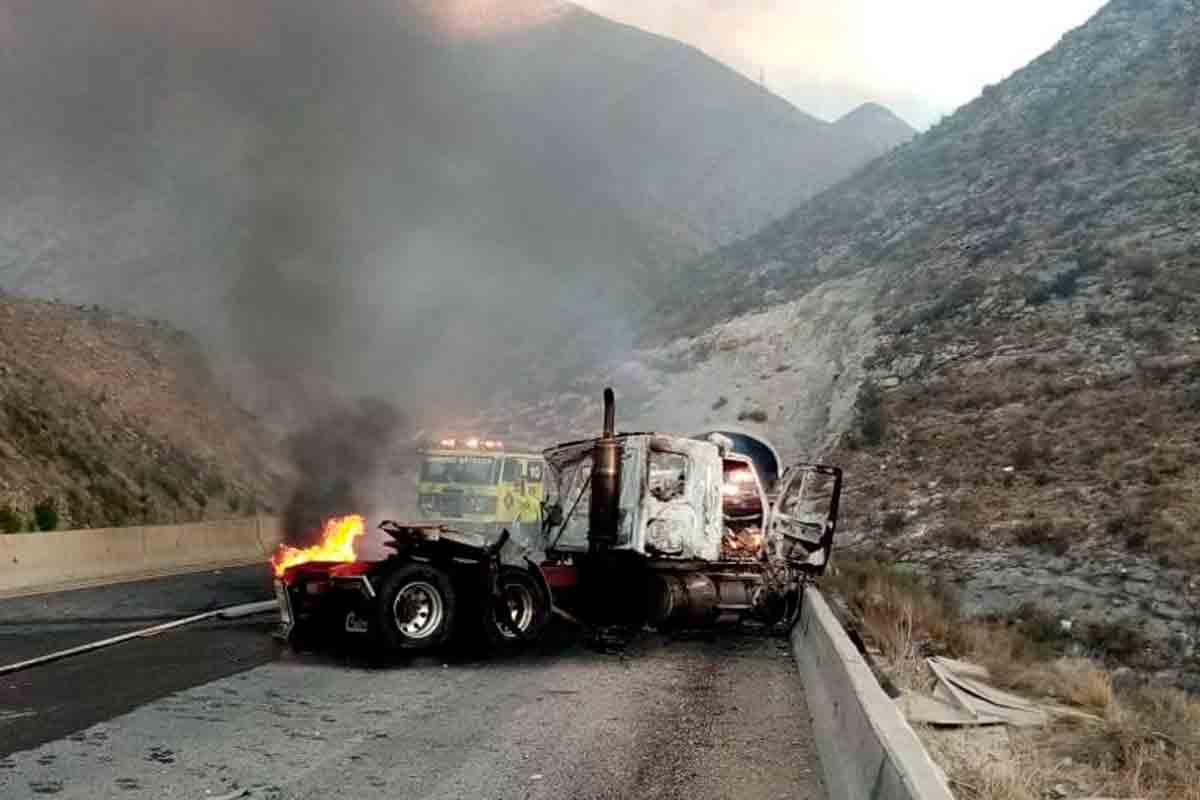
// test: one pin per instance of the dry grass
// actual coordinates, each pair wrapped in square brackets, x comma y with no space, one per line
[898,615]
[1151,741]
[1082,683]
[1016,662]
[1046,416]
[1140,743]
[1013,769]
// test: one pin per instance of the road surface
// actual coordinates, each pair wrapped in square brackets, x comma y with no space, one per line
[223,711]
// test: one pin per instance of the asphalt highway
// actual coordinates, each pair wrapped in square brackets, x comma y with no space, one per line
[224,710]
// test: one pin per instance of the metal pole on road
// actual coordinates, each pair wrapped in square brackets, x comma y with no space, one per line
[230,612]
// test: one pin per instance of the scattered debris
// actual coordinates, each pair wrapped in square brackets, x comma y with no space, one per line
[962,697]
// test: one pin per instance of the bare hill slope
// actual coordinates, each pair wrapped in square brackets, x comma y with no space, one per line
[112,420]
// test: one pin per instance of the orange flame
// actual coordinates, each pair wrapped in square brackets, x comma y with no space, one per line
[337,544]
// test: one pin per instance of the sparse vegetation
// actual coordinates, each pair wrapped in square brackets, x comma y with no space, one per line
[1137,264]
[959,298]
[1064,283]
[45,516]
[893,522]
[752,415]
[10,520]
[1025,455]
[870,415]
[1044,534]
[1117,640]
[959,536]
[81,451]
[1131,526]
[1135,743]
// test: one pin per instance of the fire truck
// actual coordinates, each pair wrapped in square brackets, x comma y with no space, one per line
[635,529]
[479,483]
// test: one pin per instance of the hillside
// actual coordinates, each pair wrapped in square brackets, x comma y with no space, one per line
[678,138]
[303,183]
[875,127]
[111,420]
[993,327]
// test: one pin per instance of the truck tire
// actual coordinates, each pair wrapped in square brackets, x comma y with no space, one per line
[416,608]
[528,605]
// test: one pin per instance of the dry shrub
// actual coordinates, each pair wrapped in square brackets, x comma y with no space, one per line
[1013,771]
[1142,743]
[1074,681]
[903,616]
[1152,741]
[1116,639]
[1082,683]
[1003,649]
[960,537]
[1046,535]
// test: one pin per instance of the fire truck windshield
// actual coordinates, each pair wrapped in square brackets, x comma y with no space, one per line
[470,470]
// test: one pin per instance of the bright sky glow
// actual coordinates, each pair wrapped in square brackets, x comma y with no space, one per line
[921,58]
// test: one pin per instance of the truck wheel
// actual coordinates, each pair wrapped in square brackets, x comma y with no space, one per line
[528,608]
[416,608]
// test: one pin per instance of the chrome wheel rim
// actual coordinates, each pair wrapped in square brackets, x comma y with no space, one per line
[520,603]
[418,610]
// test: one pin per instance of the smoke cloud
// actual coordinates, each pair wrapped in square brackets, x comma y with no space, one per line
[341,459]
[335,196]
[340,199]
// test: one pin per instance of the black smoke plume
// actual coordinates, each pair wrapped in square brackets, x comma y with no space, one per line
[339,458]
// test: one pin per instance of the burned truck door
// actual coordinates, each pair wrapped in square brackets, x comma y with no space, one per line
[670,512]
[804,518]
[681,507]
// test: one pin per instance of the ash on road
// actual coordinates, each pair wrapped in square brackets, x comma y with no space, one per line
[700,718]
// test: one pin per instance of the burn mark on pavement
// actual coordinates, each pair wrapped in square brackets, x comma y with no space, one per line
[45,787]
[162,755]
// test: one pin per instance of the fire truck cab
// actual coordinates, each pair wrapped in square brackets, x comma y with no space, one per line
[479,483]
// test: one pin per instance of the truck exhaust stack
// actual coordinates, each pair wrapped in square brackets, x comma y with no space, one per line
[603,516]
[610,414]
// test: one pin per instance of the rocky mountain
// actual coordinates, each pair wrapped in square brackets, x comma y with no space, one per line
[874,127]
[112,420]
[993,328]
[678,138]
[303,184]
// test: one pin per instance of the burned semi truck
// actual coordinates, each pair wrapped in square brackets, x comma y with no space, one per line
[637,528]
[678,531]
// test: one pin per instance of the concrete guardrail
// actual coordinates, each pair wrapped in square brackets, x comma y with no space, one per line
[31,563]
[866,747]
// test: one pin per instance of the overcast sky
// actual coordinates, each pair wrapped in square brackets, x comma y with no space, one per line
[921,58]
